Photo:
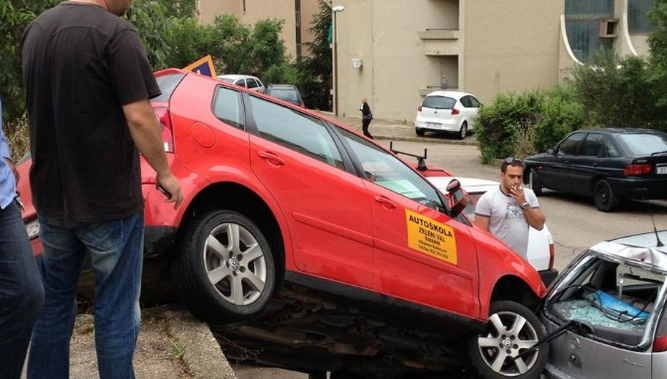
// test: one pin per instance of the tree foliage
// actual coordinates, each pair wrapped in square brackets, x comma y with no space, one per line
[524,124]
[15,15]
[315,70]
[618,92]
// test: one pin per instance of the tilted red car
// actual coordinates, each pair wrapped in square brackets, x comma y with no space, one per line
[284,205]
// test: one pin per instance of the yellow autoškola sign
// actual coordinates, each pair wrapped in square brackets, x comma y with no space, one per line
[431,237]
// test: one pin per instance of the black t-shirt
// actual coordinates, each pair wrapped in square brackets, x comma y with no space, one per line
[81,64]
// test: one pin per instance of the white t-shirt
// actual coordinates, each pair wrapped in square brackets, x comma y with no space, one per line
[506,219]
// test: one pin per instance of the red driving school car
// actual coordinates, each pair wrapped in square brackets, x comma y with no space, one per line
[280,201]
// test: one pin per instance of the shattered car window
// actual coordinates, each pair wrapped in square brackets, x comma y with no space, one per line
[613,299]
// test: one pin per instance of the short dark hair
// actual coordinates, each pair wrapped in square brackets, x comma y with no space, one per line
[511,161]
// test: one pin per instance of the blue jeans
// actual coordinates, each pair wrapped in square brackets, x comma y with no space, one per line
[21,292]
[116,251]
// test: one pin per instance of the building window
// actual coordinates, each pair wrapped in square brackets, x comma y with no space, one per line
[638,22]
[582,22]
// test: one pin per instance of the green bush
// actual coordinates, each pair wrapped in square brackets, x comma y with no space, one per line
[524,124]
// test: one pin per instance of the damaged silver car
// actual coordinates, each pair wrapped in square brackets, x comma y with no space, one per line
[605,315]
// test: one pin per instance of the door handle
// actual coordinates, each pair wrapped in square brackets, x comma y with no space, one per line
[386,203]
[271,158]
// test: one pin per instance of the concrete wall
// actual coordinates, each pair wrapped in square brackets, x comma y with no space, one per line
[509,45]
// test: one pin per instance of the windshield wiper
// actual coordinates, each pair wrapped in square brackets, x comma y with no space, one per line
[659,153]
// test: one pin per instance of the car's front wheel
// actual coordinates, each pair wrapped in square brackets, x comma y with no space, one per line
[223,268]
[511,330]
[605,198]
[420,132]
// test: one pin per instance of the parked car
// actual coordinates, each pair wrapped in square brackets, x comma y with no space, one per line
[287,92]
[448,111]
[540,250]
[282,206]
[610,165]
[248,81]
[606,312]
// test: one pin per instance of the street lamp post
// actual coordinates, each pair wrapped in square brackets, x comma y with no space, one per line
[334,10]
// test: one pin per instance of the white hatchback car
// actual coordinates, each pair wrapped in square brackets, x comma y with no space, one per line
[448,111]
[247,81]
[540,242]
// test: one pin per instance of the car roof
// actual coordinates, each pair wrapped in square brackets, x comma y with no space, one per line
[454,94]
[281,86]
[236,76]
[470,185]
[619,131]
[640,250]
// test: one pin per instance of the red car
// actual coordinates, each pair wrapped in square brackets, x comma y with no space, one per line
[282,203]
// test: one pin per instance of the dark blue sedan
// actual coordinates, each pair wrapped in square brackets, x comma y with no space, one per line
[610,165]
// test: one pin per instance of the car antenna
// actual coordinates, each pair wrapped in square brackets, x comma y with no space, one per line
[657,236]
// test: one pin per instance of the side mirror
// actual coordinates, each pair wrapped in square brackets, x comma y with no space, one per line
[456,199]
[551,151]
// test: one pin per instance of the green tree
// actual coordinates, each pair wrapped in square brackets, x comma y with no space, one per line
[15,15]
[618,91]
[315,70]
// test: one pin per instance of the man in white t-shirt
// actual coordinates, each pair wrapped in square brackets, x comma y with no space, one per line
[508,210]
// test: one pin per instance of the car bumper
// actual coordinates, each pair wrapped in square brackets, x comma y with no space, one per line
[641,188]
[443,125]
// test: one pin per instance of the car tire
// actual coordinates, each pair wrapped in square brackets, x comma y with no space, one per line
[420,132]
[223,269]
[492,361]
[534,181]
[605,198]
[463,132]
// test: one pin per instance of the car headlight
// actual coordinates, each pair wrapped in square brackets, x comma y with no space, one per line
[33,228]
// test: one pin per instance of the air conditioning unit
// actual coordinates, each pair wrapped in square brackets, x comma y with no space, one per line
[608,28]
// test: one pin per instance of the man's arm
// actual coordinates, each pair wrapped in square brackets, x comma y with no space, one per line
[145,132]
[482,221]
[535,217]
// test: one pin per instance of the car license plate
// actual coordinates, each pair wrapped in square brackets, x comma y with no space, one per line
[433,125]
[662,170]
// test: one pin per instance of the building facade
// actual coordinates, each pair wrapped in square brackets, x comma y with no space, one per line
[408,49]
[394,52]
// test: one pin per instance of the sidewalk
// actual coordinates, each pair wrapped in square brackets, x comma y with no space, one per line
[395,130]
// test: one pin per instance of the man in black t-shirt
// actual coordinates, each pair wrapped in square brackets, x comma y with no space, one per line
[88,85]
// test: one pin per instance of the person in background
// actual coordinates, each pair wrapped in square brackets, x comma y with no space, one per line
[21,291]
[366,117]
[88,83]
[508,210]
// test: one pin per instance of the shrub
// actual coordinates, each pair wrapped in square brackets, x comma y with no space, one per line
[528,123]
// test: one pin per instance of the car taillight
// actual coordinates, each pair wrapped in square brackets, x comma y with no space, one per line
[419,108]
[164,116]
[660,344]
[455,111]
[552,255]
[637,169]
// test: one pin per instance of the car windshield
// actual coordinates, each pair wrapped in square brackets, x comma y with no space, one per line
[644,144]
[284,94]
[439,102]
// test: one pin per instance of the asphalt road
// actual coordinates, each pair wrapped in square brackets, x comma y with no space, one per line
[574,222]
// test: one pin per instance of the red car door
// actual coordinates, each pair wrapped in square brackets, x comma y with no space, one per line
[327,208]
[421,254]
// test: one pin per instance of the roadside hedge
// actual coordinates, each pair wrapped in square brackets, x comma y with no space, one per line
[524,124]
